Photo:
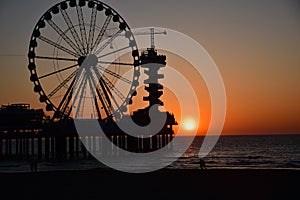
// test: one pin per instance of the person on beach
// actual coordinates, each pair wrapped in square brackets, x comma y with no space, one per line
[33,166]
[202,164]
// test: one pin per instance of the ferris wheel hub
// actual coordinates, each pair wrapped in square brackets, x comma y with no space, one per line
[88,61]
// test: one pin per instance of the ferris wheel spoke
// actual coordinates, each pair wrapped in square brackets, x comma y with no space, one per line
[114,74]
[78,87]
[102,31]
[104,90]
[56,58]
[66,108]
[58,46]
[113,88]
[73,30]
[64,36]
[109,94]
[58,71]
[82,27]
[109,41]
[105,98]
[106,87]
[100,96]
[113,52]
[81,98]
[67,97]
[62,84]
[97,107]
[92,29]
[116,63]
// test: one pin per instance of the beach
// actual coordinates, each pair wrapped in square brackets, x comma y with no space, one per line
[240,167]
[162,184]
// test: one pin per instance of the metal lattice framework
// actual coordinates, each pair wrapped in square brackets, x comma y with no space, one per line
[67,35]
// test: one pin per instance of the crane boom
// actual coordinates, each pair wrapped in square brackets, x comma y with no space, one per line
[152,32]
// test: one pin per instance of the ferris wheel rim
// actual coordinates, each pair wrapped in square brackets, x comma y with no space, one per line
[35,78]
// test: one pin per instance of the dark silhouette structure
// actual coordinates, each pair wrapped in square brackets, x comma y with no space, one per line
[152,62]
[19,117]
[19,125]
[79,46]
[28,133]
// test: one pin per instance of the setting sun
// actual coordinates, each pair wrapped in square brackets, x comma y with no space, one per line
[189,124]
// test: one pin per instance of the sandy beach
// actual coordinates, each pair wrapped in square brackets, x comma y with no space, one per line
[163,184]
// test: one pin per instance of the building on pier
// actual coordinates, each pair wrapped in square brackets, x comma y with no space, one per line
[20,118]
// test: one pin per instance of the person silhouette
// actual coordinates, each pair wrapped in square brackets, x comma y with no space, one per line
[202,164]
[33,165]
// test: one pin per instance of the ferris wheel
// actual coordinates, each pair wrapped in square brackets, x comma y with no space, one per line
[74,43]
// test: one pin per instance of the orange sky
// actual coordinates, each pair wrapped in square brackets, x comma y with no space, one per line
[254,105]
[255,44]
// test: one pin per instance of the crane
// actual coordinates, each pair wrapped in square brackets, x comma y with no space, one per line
[152,32]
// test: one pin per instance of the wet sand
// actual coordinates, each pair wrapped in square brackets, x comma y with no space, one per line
[163,184]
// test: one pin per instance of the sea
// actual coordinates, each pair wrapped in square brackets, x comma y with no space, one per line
[230,152]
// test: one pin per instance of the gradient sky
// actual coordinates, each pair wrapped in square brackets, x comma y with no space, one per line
[255,44]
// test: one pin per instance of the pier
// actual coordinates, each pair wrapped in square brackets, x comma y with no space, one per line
[60,141]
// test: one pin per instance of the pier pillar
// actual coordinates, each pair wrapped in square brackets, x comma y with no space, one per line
[60,147]
[91,145]
[21,147]
[121,141]
[53,147]
[171,138]
[40,148]
[27,147]
[163,138]
[158,141]
[71,147]
[94,143]
[132,143]
[64,147]
[1,148]
[77,146]
[114,144]
[100,144]
[17,146]
[154,142]
[32,146]
[47,147]
[83,149]
[6,147]
[9,147]
[146,144]
[24,146]
[139,145]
